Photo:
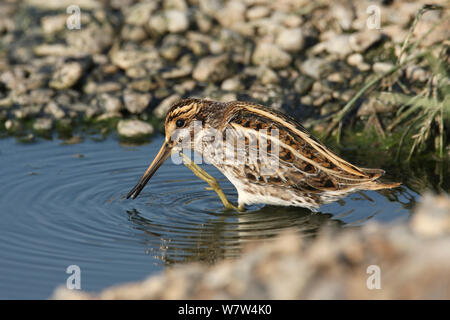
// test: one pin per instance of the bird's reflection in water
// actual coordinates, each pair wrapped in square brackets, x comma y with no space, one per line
[222,236]
[180,234]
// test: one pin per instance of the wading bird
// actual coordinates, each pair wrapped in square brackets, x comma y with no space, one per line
[297,170]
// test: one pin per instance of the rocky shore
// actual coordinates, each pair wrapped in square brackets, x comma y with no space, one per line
[409,260]
[130,60]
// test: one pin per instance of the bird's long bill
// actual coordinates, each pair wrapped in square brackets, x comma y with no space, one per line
[162,156]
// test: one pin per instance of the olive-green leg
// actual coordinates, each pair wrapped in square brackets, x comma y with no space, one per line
[213,183]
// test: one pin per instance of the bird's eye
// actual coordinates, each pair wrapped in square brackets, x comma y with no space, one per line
[180,123]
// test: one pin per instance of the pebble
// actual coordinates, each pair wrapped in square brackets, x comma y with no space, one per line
[53,24]
[355,59]
[361,41]
[291,40]
[335,77]
[212,68]
[158,24]
[268,76]
[13,125]
[382,67]
[43,124]
[231,14]
[134,128]
[140,13]
[231,84]
[177,21]
[338,44]
[66,76]
[417,73]
[271,55]
[313,67]
[55,110]
[110,103]
[161,110]
[136,102]
[257,12]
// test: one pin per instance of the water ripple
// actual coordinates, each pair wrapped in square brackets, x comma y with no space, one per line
[65,204]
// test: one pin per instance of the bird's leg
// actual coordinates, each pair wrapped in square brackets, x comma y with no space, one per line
[213,183]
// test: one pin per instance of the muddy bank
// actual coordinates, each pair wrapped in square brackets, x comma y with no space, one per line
[401,261]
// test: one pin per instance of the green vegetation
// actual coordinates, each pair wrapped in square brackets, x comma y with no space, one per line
[423,117]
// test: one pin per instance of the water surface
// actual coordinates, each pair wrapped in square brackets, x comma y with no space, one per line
[64,205]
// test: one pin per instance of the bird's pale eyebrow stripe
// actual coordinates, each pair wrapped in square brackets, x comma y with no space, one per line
[336,160]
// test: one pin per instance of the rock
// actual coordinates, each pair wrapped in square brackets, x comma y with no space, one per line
[134,128]
[355,59]
[303,84]
[91,39]
[175,4]
[210,7]
[373,105]
[43,124]
[177,72]
[361,41]
[143,85]
[396,33]
[337,44]
[136,102]
[133,33]
[177,21]
[432,217]
[27,112]
[126,59]
[382,67]
[161,110]
[212,68]
[257,12]
[66,76]
[335,77]
[230,15]
[158,24]
[63,4]
[110,103]
[343,16]
[108,115]
[171,47]
[203,21]
[271,55]
[292,21]
[231,84]
[185,86]
[98,87]
[13,125]
[140,13]
[313,67]
[53,109]
[227,97]
[417,73]
[291,40]
[53,24]
[268,76]
[60,50]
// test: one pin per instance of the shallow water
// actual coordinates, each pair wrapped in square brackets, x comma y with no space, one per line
[64,205]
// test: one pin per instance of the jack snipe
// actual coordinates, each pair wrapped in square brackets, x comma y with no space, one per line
[297,170]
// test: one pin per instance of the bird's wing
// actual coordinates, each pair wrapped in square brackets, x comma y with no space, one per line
[304,163]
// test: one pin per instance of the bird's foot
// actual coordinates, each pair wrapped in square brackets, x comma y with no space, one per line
[213,183]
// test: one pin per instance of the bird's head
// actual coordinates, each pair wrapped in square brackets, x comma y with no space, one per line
[180,124]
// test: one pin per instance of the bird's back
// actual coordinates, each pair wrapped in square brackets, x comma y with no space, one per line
[304,167]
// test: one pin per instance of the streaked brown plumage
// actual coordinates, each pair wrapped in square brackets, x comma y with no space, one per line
[307,174]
